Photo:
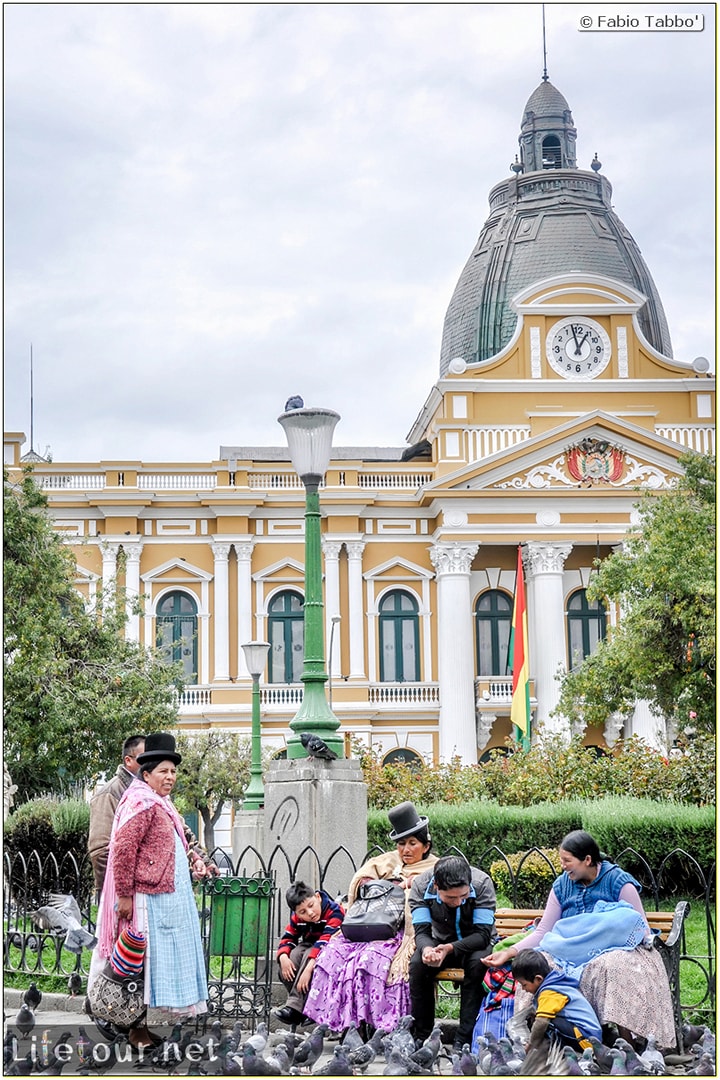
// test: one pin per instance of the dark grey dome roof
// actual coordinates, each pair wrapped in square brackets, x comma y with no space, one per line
[551,219]
[546,99]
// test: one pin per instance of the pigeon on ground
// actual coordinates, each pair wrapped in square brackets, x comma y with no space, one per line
[704,1067]
[316,748]
[550,1061]
[427,1054]
[691,1034]
[308,1053]
[256,1065]
[588,1064]
[469,1062]
[294,402]
[632,1062]
[74,984]
[602,1054]
[84,1045]
[258,1041]
[25,1020]
[652,1058]
[280,1057]
[352,1039]
[21,1066]
[397,1064]
[619,1067]
[338,1065]
[61,913]
[362,1057]
[32,996]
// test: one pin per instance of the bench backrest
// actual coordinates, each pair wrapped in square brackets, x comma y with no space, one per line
[509,921]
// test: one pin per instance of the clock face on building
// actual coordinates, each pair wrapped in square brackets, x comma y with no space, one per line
[577,348]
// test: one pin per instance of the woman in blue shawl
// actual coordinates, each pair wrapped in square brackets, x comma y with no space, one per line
[594,927]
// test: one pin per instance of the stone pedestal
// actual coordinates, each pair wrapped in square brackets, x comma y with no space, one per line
[248,832]
[320,805]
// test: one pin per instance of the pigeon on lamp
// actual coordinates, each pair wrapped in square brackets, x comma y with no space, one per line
[294,402]
[316,748]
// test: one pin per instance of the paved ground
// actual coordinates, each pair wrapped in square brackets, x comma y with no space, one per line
[61,1015]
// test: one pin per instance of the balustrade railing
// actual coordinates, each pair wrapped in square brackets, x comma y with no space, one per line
[402,694]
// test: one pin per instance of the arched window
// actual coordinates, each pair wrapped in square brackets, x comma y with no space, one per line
[176,631]
[399,638]
[586,626]
[493,621]
[551,152]
[286,637]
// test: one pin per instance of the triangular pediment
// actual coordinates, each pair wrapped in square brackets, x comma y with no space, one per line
[176,570]
[284,570]
[595,451]
[398,569]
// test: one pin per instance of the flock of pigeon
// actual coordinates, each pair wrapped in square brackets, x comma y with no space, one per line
[224,1052]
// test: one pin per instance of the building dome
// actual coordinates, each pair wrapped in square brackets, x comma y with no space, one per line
[550,218]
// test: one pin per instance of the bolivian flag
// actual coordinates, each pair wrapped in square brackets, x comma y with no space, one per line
[518,653]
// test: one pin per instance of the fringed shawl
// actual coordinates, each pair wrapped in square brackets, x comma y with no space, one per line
[386,866]
[136,799]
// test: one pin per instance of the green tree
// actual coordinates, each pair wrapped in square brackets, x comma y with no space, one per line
[74,687]
[215,770]
[664,583]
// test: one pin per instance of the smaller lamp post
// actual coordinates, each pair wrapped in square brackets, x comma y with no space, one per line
[256,658]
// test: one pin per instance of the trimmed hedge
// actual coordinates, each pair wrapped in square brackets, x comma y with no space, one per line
[651,828]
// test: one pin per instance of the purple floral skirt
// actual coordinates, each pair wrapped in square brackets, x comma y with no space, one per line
[349,985]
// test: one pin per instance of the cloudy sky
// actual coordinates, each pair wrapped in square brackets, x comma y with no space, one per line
[209,207]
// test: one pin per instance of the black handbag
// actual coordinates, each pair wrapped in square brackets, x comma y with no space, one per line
[377,914]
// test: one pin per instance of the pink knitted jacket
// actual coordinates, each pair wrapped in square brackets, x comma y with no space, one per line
[145,854]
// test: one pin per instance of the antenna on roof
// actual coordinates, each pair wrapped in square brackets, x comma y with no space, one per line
[32,406]
[545,74]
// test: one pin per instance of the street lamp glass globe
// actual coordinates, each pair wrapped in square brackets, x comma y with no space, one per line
[256,656]
[309,434]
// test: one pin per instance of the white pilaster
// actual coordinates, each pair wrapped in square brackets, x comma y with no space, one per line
[331,551]
[221,613]
[109,554]
[132,588]
[456,667]
[546,624]
[243,553]
[355,609]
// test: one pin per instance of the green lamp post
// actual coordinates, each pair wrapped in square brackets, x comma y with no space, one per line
[309,433]
[256,658]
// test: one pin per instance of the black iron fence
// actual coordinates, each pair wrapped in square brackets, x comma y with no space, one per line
[243,913]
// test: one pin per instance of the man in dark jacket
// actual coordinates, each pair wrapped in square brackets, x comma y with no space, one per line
[453,914]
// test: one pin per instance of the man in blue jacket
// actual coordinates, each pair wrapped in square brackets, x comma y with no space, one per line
[453,915]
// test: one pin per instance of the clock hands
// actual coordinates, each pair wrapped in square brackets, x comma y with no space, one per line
[578,344]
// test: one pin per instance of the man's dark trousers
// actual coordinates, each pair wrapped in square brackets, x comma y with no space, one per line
[422,992]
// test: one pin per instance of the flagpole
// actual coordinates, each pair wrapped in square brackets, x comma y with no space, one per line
[520,707]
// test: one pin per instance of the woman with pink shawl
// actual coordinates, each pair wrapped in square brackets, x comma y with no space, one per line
[148,889]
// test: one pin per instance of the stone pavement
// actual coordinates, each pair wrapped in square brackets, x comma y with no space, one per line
[62,1015]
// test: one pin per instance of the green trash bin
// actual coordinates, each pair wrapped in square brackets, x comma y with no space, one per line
[240,914]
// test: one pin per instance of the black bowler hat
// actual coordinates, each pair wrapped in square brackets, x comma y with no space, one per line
[405,821]
[159,747]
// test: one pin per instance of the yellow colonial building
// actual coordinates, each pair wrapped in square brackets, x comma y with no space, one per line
[558,402]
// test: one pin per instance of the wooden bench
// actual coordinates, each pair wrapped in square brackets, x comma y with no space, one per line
[669,924]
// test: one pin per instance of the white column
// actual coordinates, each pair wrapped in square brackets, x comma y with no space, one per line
[109,571]
[244,603]
[132,589]
[221,613]
[544,565]
[647,725]
[331,551]
[356,618]
[456,666]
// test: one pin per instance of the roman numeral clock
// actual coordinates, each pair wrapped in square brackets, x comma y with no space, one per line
[577,348]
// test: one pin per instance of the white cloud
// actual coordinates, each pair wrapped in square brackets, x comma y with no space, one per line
[211,206]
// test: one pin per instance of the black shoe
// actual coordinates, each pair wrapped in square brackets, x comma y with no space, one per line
[286,1015]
